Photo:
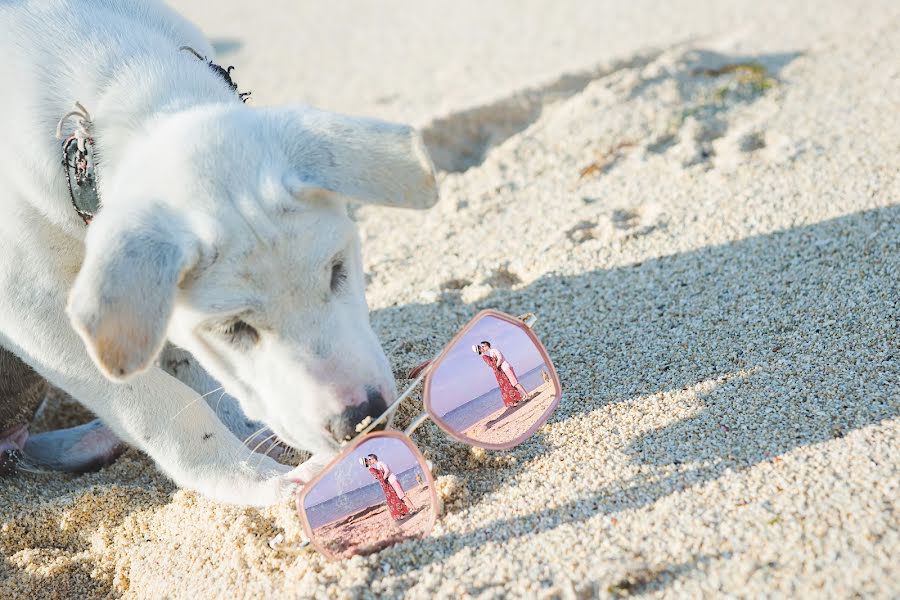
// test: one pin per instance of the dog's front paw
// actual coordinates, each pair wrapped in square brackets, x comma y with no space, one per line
[273,490]
[305,471]
[279,487]
[252,482]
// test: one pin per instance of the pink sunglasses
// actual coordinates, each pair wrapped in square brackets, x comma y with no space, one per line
[492,387]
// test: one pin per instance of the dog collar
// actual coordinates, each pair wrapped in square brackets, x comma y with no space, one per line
[220,71]
[78,148]
[78,163]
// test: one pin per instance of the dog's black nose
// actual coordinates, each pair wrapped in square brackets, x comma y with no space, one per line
[343,426]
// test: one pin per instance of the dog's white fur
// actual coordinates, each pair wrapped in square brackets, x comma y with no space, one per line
[212,210]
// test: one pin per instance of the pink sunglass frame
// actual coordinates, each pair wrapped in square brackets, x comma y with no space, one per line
[424,371]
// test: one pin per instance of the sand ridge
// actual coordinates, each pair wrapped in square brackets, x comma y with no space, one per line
[714,261]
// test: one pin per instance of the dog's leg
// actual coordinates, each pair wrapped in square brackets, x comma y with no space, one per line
[22,392]
[180,364]
[172,423]
[77,449]
[159,415]
[255,435]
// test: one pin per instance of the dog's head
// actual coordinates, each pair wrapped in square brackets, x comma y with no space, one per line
[225,230]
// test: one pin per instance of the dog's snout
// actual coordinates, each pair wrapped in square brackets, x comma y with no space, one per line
[343,426]
[374,397]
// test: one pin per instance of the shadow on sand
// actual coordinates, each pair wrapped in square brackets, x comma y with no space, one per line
[684,319]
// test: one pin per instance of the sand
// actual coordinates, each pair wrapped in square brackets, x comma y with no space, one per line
[374,525]
[508,423]
[714,260]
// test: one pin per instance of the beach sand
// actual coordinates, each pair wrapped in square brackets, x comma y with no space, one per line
[700,202]
[508,423]
[374,524]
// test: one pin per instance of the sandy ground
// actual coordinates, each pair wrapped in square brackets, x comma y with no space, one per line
[713,253]
[373,525]
[507,424]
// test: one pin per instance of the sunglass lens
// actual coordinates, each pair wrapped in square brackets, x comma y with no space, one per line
[495,386]
[377,495]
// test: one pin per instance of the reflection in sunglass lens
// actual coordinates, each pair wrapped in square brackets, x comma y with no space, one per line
[493,386]
[376,496]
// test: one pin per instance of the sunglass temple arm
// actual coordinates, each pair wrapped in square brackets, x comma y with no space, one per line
[390,409]
[421,418]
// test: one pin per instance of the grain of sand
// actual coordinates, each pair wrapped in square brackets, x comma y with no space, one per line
[719,294]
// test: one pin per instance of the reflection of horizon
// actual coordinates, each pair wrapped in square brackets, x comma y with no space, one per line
[516,369]
[372,528]
[528,378]
[348,472]
[364,492]
[459,376]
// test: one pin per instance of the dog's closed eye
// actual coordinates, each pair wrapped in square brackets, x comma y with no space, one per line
[240,333]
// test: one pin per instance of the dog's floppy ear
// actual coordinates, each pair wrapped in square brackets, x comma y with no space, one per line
[365,159]
[123,296]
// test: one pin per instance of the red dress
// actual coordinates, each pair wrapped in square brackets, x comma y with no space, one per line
[395,504]
[509,394]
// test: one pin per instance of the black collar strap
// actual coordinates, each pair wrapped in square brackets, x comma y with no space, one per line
[220,71]
[78,163]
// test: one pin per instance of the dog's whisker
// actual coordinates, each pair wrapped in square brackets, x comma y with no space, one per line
[253,451]
[185,407]
[245,446]
[287,451]
[246,440]
[261,457]
[219,402]
[213,391]
[266,439]
[191,403]
[270,448]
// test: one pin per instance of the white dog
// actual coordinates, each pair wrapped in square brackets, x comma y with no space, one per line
[222,229]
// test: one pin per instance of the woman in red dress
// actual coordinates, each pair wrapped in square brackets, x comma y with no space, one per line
[396,506]
[509,394]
